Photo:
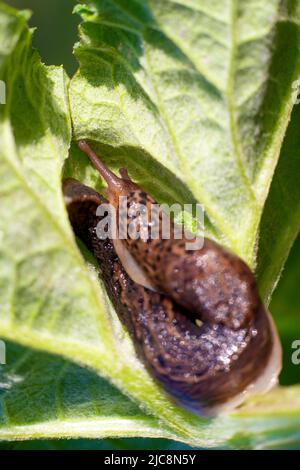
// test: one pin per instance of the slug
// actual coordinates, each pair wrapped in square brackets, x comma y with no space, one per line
[195,316]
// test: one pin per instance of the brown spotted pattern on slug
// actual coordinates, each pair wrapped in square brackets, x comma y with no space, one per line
[211,282]
[200,366]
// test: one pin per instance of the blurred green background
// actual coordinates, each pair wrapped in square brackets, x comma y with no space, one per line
[56,30]
[54,38]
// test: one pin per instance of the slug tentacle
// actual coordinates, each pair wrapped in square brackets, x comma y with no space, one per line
[204,365]
[111,179]
[115,186]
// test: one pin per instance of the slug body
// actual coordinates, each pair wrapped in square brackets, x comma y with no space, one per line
[201,330]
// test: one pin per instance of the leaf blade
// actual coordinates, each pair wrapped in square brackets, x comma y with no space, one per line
[41,314]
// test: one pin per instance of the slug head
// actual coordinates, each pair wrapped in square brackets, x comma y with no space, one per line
[116,186]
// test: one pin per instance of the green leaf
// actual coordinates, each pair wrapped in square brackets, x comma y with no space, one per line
[151,98]
[45,396]
[190,126]
[196,88]
[49,299]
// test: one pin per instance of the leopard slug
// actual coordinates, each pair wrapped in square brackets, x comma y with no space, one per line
[207,358]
